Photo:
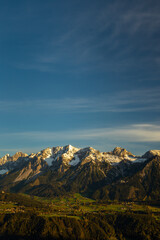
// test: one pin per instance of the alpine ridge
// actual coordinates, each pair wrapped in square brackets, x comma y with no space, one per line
[118,174]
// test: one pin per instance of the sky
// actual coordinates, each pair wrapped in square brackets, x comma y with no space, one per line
[79,72]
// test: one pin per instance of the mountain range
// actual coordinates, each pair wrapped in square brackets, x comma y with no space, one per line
[115,175]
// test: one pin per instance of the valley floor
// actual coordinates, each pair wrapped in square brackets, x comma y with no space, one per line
[76,217]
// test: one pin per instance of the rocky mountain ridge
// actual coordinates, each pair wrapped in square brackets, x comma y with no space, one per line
[72,155]
[60,170]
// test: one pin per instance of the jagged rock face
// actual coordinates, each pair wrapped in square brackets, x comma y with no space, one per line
[43,154]
[72,156]
[62,158]
[11,162]
[65,154]
[151,153]
[18,155]
[4,159]
[143,184]
[15,157]
[32,169]
[71,169]
[122,152]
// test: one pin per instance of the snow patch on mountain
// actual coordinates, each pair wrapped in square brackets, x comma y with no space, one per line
[112,159]
[74,161]
[135,159]
[48,156]
[49,161]
[32,155]
[3,171]
[66,153]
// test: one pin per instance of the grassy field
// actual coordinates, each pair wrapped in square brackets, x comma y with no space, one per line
[72,206]
[76,217]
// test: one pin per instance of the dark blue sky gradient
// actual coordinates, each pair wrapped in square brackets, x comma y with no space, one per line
[71,67]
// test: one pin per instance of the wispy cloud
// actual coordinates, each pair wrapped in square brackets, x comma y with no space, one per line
[127,133]
[124,101]
[120,29]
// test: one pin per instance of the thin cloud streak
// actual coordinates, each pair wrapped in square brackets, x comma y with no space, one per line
[125,101]
[113,21]
[128,133]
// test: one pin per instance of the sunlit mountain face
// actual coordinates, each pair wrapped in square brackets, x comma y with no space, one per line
[87,74]
[118,174]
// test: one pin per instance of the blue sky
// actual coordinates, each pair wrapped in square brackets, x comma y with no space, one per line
[85,73]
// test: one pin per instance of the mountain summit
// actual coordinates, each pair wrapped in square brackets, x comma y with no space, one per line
[118,174]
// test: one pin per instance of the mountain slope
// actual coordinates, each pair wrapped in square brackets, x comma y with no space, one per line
[142,185]
[62,170]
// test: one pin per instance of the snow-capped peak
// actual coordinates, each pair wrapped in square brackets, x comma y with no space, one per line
[66,154]
[70,148]
[73,156]
[70,155]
